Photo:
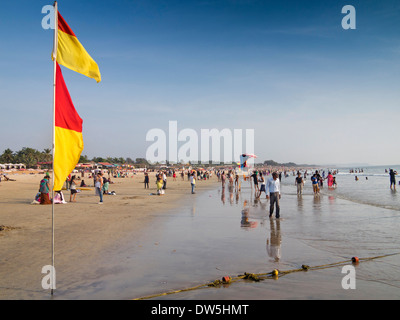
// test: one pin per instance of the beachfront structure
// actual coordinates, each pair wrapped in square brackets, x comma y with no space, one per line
[9,166]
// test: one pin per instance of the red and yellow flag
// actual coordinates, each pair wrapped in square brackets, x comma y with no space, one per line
[71,54]
[68,141]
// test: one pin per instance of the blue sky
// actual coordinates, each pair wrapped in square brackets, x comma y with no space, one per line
[312,91]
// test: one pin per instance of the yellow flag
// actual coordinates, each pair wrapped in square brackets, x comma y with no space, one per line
[71,53]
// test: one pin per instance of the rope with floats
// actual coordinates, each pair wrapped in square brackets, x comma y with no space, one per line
[274,274]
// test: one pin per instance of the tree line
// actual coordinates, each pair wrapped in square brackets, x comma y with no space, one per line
[30,157]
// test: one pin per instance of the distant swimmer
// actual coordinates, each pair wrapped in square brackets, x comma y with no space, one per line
[392,175]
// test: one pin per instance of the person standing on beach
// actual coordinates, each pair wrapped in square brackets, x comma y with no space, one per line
[44,190]
[223,178]
[255,181]
[99,186]
[164,178]
[68,182]
[274,194]
[106,183]
[299,183]
[146,180]
[72,187]
[160,184]
[392,174]
[262,182]
[236,181]
[193,181]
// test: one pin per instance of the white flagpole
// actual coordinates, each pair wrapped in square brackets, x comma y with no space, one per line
[55,44]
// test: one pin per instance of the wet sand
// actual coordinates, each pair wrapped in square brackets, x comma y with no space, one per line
[126,253]
[85,232]
[208,239]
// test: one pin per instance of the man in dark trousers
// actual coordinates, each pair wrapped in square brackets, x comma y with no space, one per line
[392,174]
[274,194]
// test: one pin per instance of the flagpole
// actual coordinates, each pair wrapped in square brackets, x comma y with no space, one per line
[55,44]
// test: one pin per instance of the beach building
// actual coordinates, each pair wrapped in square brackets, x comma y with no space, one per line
[9,166]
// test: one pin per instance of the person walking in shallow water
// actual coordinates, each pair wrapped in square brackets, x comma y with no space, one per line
[299,183]
[274,194]
[392,174]
[315,184]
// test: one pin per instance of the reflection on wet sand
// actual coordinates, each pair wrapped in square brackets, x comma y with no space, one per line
[230,188]
[223,195]
[245,221]
[300,203]
[275,240]
[232,195]
[317,204]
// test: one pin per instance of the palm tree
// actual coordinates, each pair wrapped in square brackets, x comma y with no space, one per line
[7,156]
[28,156]
[47,155]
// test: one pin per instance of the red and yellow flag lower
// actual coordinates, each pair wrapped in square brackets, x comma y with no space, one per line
[71,53]
[68,140]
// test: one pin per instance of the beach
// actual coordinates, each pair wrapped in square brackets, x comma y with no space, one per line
[141,246]
[84,231]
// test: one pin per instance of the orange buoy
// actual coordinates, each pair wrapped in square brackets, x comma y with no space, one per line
[226,279]
[355,260]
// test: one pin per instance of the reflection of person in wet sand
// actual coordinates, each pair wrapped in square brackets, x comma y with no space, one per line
[230,188]
[245,217]
[274,243]
[237,182]
[223,195]
[245,221]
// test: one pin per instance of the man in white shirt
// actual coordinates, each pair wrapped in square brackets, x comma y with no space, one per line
[164,177]
[274,193]
[193,181]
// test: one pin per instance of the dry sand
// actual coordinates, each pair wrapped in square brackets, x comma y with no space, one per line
[84,230]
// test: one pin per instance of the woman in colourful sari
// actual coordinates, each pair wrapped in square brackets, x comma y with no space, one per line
[330,180]
[44,190]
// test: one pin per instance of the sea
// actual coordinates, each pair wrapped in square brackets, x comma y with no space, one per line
[225,232]
[367,185]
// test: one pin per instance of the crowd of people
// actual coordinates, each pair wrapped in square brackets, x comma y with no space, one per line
[270,186]
[317,181]
[162,175]
[100,183]
[263,181]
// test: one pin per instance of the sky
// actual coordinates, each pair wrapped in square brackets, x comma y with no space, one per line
[313,92]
